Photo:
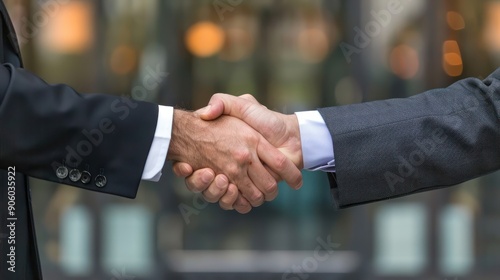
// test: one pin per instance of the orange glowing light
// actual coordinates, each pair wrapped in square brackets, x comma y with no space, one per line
[404,61]
[204,39]
[452,58]
[70,28]
[123,60]
[451,46]
[455,20]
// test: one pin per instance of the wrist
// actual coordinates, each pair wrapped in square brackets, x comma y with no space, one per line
[182,143]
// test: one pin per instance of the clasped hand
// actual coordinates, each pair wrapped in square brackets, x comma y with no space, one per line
[235,151]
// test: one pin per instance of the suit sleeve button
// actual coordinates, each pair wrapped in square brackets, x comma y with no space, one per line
[62,172]
[86,177]
[100,181]
[75,175]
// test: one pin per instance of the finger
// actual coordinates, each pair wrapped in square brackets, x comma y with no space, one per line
[250,191]
[250,98]
[275,176]
[214,109]
[264,181]
[245,108]
[182,169]
[200,180]
[217,189]
[280,164]
[225,104]
[229,198]
[242,205]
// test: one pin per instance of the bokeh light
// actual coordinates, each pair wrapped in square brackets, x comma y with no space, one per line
[71,29]
[123,60]
[452,58]
[204,39]
[455,20]
[404,61]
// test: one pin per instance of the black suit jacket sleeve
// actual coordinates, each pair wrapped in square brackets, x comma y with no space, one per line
[396,147]
[45,126]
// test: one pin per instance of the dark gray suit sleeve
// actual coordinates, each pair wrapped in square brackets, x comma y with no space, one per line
[43,127]
[391,148]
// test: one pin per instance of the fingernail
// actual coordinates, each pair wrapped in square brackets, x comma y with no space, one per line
[207,177]
[221,182]
[185,169]
[205,110]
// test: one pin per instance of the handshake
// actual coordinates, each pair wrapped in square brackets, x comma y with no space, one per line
[235,151]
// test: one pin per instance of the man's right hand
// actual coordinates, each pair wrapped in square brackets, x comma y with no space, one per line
[282,131]
[229,146]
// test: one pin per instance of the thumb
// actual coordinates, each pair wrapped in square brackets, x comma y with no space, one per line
[211,112]
[224,104]
[182,169]
[250,98]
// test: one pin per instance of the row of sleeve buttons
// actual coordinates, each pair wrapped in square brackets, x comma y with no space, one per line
[76,175]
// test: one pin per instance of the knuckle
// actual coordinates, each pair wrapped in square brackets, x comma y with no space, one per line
[249,135]
[235,168]
[232,193]
[268,130]
[181,169]
[253,137]
[198,187]
[281,162]
[215,191]
[189,184]
[233,171]
[211,194]
[271,187]
[242,156]
[226,203]
[208,197]
[272,196]
[257,198]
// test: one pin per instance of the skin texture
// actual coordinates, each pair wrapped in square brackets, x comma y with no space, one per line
[229,146]
[282,131]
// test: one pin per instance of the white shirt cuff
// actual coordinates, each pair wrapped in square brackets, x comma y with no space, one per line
[159,148]
[317,144]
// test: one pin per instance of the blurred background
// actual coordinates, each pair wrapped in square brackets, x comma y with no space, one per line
[292,55]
